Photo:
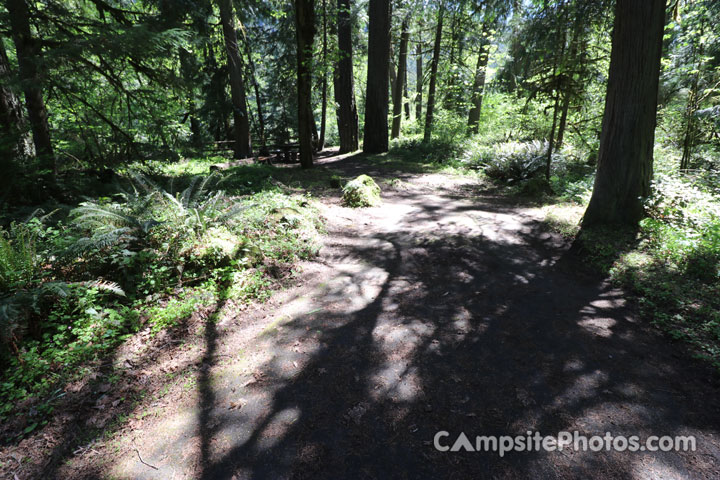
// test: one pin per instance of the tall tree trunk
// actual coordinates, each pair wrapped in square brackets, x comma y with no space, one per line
[323,118]
[243,146]
[563,120]
[692,104]
[305,33]
[556,106]
[433,77]
[215,100]
[28,56]
[551,141]
[558,60]
[391,64]
[406,102]
[572,60]
[16,144]
[188,71]
[450,90]
[258,99]
[347,117]
[689,134]
[625,161]
[479,82]
[400,83]
[376,99]
[418,81]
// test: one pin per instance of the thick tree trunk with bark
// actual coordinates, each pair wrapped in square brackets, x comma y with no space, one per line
[28,56]
[418,81]
[625,159]
[376,98]
[479,83]
[433,77]
[305,33]
[323,115]
[400,82]
[243,146]
[16,144]
[347,117]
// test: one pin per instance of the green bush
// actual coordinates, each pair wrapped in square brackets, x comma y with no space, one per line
[169,252]
[509,162]
[361,192]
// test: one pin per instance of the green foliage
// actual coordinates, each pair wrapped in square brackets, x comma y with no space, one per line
[249,285]
[672,265]
[361,192]
[178,308]
[19,260]
[73,292]
[83,323]
[509,162]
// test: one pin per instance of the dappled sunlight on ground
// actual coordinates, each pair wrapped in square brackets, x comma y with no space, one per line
[443,309]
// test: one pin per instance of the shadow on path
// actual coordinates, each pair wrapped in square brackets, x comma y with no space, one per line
[486,326]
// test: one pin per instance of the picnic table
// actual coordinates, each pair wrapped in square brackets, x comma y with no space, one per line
[287,152]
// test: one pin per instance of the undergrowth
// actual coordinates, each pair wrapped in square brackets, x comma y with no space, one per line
[147,257]
[671,265]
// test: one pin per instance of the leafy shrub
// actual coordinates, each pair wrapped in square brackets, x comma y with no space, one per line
[510,162]
[361,192]
[149,240]
[437,150]
[83,322]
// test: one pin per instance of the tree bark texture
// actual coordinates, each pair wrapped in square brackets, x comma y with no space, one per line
[625,159]
[28,55]
[347,116]
[400,82]
[376,98]
[243,146]
[305,33]
[430,109]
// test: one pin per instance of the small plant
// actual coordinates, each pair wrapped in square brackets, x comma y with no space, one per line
[19,261]
[177,309]
[512,162]
[361,192]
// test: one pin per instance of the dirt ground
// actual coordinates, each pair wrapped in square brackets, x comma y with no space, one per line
[448,308]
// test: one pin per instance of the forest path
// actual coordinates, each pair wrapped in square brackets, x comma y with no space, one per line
[446,308]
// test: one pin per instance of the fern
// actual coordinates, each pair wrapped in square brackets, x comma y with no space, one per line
[189,213]
[92,215]
[104,285]
[19,260]
[100,241]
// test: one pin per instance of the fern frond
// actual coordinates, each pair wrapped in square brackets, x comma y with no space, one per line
[92,215]
[204,186]
[104,285]
[99,241]
[234,212]
[187,194]
[145,183]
